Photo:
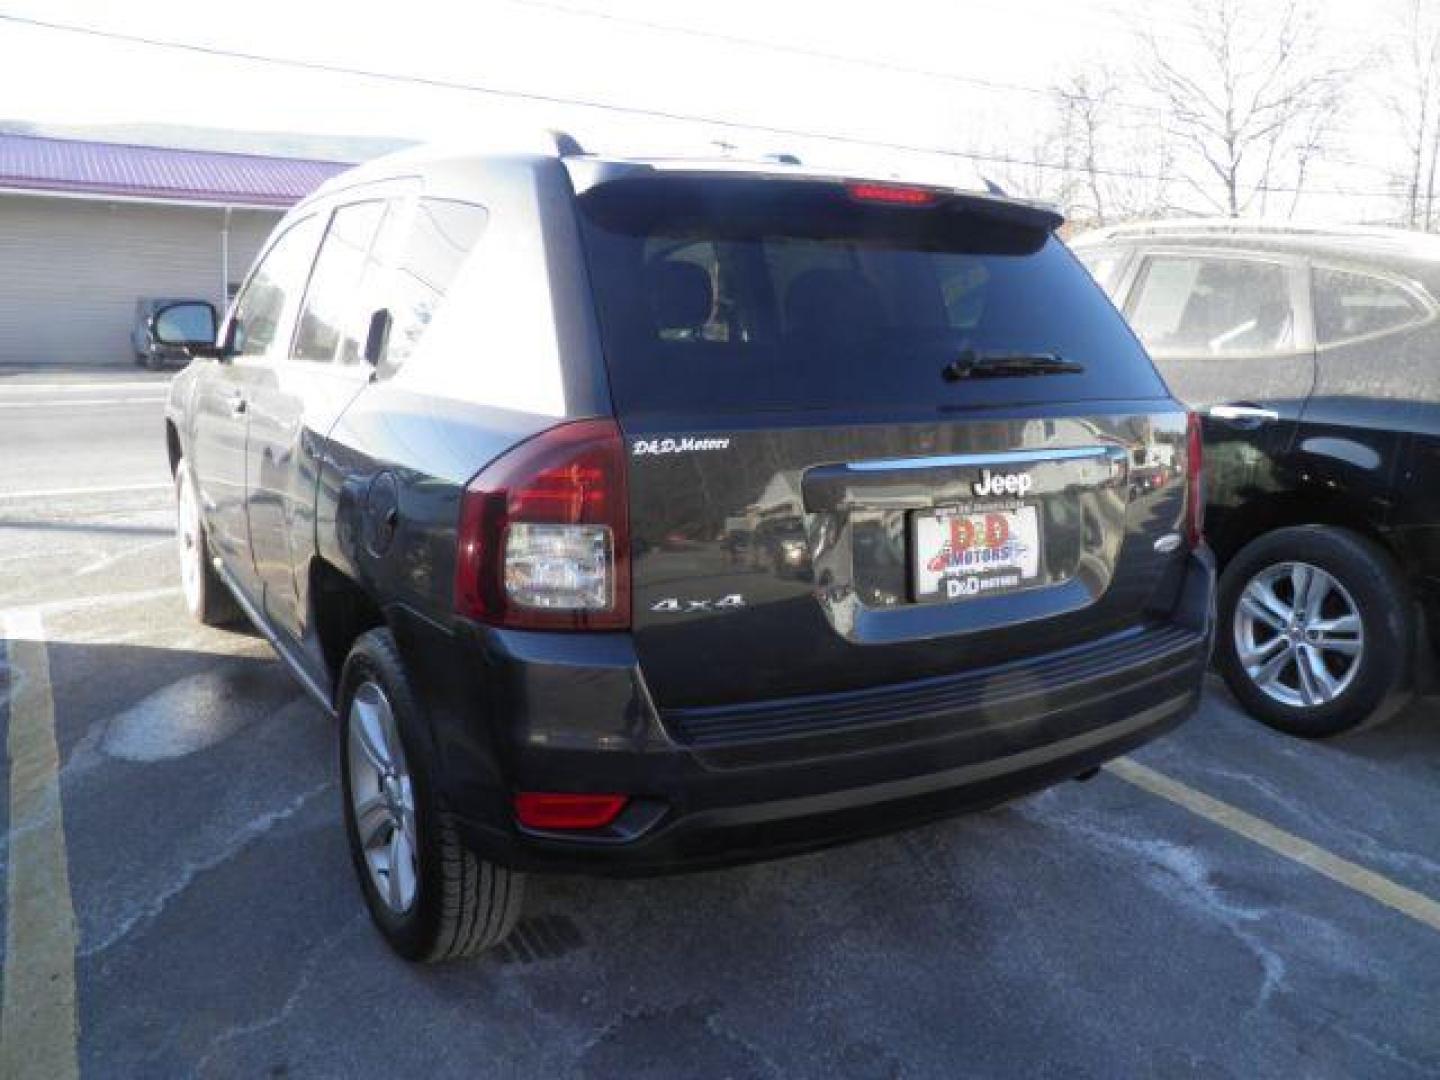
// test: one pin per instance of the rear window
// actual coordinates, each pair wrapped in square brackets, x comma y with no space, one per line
[741,294]
[1350,305]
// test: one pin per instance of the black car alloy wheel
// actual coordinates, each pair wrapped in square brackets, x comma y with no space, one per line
[1316,629]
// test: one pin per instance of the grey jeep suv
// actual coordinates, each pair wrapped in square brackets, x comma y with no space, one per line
[479,442]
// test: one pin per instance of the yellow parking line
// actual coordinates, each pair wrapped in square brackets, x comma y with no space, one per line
[1353,876]
[37,1001]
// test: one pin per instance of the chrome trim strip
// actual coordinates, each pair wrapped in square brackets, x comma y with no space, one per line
[1004,457]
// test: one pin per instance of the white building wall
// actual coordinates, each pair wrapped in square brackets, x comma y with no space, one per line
[72,269]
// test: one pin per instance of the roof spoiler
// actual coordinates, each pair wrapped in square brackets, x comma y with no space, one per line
[593,173]
[1021,212]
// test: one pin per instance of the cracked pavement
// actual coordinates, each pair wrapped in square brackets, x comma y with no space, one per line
[1090,931]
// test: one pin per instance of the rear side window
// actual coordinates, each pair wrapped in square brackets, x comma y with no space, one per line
[740,294]
[441,236]
[330,297]
[1213,306]
[1350,305]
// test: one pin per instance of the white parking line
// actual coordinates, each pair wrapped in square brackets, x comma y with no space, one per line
[37,1002]
[104,562]
[87,603]
[68,388]
[1353,876]
[59,493]
[116,402]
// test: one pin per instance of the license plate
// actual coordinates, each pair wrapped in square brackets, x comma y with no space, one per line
[962,553]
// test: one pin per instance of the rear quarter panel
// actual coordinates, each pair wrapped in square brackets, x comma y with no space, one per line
[1371,431]
[510,352]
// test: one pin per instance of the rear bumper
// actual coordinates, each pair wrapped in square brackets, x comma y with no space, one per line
[713,787]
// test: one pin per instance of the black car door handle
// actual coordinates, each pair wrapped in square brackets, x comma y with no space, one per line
[238,405]
[1243,414]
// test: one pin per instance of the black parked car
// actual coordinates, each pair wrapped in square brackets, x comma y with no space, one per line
[1314,355]
[152,354]
[474,445]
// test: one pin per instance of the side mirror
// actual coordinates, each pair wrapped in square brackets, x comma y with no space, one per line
[186,324]
[377,337]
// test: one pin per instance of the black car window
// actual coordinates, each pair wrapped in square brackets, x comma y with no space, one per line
[331,295]
[1213,306]
[441,236]
[194,322]
[1350,305]
[265,306]
[738,294]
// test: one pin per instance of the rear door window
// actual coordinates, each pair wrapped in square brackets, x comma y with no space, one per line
[1350,305]
[1214,306]
[330,297]
[740,294]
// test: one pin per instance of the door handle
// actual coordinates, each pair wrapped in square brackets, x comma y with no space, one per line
[238,405]
[1243,415]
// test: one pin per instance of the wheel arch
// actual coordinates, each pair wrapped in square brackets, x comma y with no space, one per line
[342,610]
[1288,509]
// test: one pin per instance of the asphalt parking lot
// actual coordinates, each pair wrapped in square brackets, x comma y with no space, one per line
[1228,903]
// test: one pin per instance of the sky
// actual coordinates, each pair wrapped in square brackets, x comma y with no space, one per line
[951,76]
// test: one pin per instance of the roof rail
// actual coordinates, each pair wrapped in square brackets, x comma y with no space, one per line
[566,145]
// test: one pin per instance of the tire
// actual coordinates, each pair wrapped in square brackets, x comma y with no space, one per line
[450,904]
[207,598]
[1361,637]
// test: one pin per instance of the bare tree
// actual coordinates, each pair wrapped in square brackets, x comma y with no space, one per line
[1083,102]
[1413,98]
[1114,156]
[1028,168]
[1250,101]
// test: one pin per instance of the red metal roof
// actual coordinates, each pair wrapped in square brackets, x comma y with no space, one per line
[151,172]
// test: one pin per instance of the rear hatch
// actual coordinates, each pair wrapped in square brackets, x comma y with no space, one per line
[875,434]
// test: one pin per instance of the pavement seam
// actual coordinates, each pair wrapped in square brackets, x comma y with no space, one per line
[251,832]
[308,970]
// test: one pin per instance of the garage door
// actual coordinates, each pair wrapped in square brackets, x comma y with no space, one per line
[71,271]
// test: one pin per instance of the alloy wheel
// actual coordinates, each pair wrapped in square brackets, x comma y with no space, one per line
[1298,634]
[382,798]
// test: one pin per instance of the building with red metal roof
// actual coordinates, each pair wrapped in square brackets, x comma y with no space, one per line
[88,229]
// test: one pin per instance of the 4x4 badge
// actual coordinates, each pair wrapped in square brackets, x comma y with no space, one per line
[672,604]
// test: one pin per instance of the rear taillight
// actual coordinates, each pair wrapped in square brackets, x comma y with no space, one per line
[545,534]
[1194,481]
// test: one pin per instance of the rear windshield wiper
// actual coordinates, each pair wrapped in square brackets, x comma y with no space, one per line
[971,364]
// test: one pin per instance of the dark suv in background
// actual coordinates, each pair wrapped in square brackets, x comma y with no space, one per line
[1314,358]
[482,436]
